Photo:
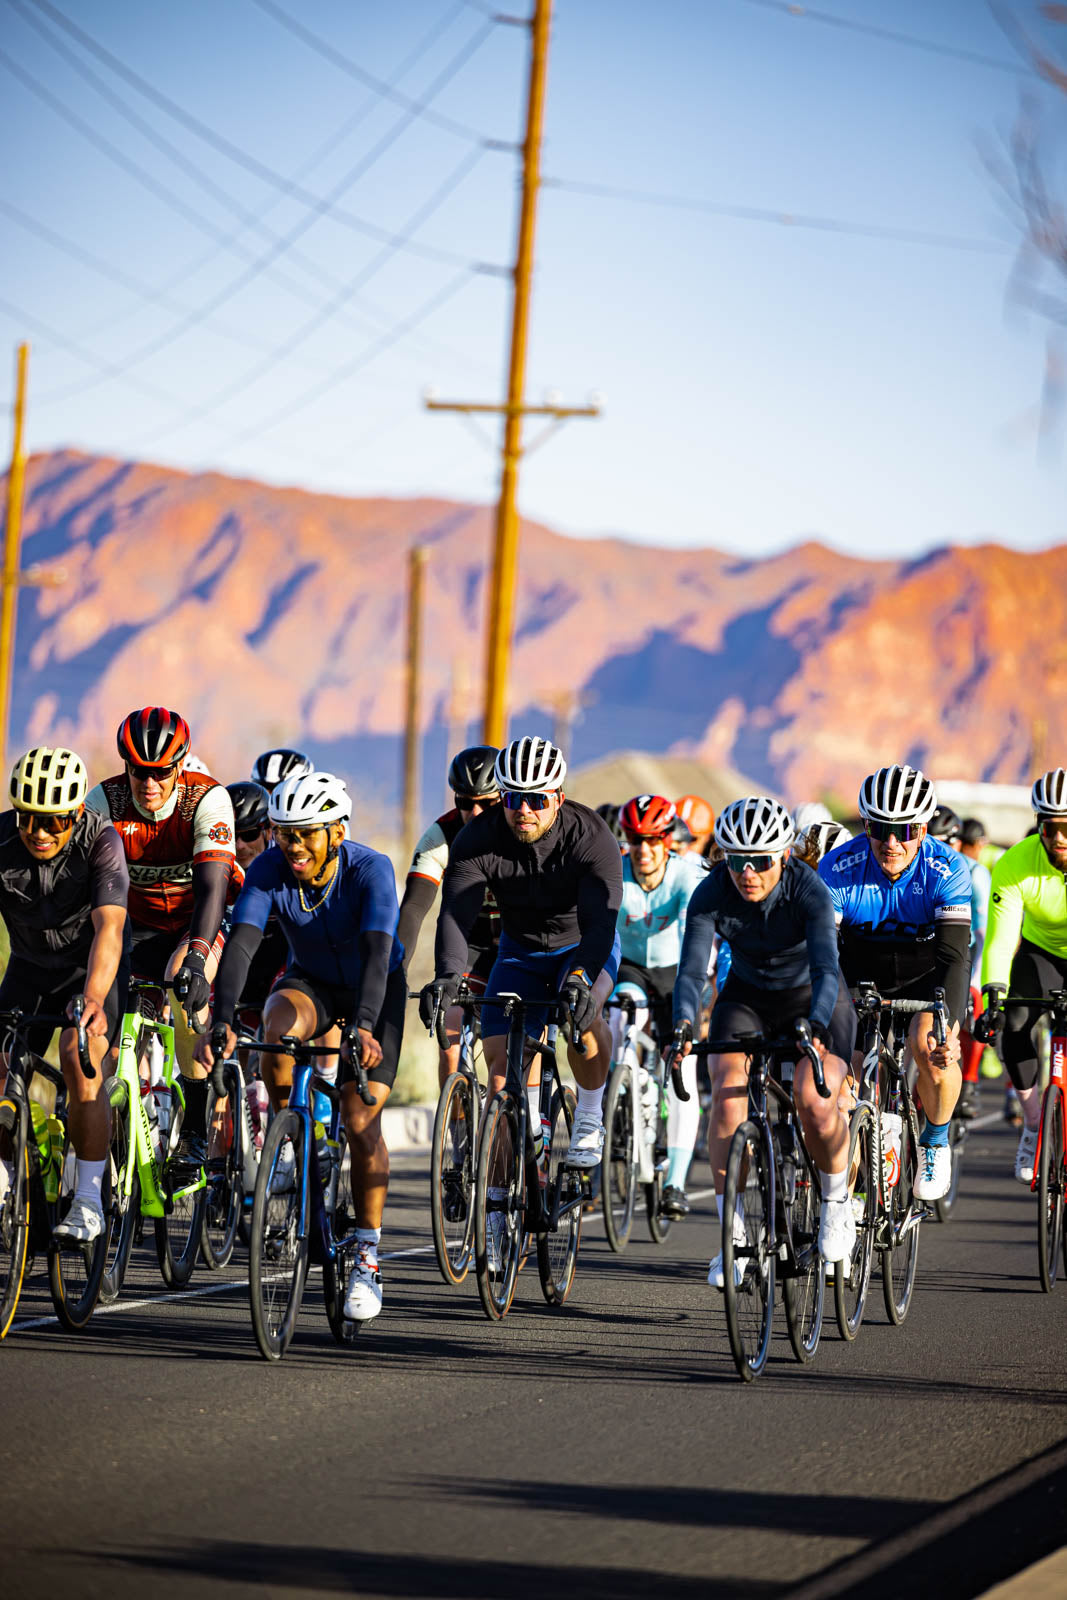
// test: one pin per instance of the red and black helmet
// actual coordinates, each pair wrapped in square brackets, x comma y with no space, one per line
[154,737]
[650,815]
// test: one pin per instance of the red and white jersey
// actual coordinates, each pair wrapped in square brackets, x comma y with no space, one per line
[162,847]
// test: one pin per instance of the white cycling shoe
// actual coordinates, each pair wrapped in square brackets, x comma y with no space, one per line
[83,1223]
[587,1141]
[364,1298]
[716,1270]
[934,1177]
[1024,1156]
[283,1178]
[837,1231]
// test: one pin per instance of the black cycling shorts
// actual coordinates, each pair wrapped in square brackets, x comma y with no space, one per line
[28,987]
[153,948]
[657,985]
[744,1008]
[335,1004]
[1033,971]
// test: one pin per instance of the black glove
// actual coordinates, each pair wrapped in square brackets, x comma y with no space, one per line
[437,996]
[988,1025]
[191,986]
[577,995]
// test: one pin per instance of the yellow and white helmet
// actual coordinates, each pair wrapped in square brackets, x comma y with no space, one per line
[49,781]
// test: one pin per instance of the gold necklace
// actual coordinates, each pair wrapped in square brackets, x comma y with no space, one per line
[322,896]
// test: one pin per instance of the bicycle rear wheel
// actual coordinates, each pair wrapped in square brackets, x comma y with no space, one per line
[124,1210]
[14,1210]
[1050,1183]
[900,1260]
[748,1269]
[499,1207]
[852,1278]
[557,1253]
[618,1188]
[76,1271]
[804,1293]
[224,1194]
[278,1253]
[452,1163]
[659,1226]
[957,1139]
[335,1272]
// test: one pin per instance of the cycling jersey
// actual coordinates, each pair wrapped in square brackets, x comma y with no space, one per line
[651,922]
[47,906]
[424,877]
[562,890]
[162,847]
[1028,900]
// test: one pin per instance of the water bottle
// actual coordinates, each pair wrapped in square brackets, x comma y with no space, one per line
[892,1131]
[321,1107]
[39,1118]
[162,1098]
[258,1109]
[322,1152]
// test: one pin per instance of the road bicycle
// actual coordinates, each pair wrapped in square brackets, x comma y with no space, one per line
[311,1218]
[232,1163]
[883,1160]
[36,1146]
[635,1132]
[454,1150]
[146,1119]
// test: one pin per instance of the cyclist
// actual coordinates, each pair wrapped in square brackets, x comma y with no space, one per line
[251,837]
[699,818]
[177,832]
[472,779]
[903,906]
[555,871]
[946,825]
[336,903]
[1026,948]
[63,888]
[656,886]
[779,921]
[274,766]
[972,842]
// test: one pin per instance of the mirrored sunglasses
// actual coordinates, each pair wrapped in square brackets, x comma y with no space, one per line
[757,863]
[1053,827]
[536,802]
[903,832]
[142,774]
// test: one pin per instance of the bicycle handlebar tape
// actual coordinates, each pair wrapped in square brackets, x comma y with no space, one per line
[84,1059]
[218,1076]
[807,1044]
[359,1071]
[940,1032]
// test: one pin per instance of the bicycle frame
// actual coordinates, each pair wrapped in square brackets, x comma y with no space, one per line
[1054,1002]
[629,1061]
[147,1150]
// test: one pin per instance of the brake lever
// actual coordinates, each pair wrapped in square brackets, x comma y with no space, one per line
[84,1059]
[807,1044]
[940,1029]
[218,1047]
[674,1061]
[355,1051]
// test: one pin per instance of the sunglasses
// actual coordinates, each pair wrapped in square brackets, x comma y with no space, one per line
[757,863]
[634,840]
[902,832]
[249,838]
[36,821]
[467,802]
[536,802]
[1053,827]
[142,774]
[297,835]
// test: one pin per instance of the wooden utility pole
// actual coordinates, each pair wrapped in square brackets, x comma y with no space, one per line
[501,597]
[416,569]
[12,545]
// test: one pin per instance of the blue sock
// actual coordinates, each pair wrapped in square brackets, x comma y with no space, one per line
[678,1159]
[934,1134]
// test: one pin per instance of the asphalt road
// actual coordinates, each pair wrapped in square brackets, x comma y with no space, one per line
[604,1450]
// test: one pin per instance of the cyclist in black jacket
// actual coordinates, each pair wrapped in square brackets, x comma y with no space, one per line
[555,872]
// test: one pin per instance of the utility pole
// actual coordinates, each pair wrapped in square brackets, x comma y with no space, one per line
[501,596]
[416,569]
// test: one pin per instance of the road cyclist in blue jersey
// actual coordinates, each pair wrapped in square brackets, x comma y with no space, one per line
[903,906]
[335,901]
[657,883]
[778,919]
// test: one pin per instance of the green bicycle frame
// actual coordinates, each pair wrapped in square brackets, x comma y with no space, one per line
[145,1152]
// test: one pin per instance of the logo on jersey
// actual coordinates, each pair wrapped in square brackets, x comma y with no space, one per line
[221,833]
[848,861]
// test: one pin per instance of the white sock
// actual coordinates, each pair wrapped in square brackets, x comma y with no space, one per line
[834,1185]
[89,1181]
[370,1236]
[533,1102]
[1030,1100]
[591,1102]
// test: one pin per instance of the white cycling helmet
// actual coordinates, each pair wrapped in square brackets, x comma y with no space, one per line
[755,823]
[897,794]
[822,837]
[194,764]
[530,766]
[1048,797]
[808,812]
[308,798]
[48,782]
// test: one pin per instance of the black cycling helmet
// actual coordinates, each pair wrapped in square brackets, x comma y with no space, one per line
[473,771]
[945,824]
[249,806]
[274,766]
[973,831]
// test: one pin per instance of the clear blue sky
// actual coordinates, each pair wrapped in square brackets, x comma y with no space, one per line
[762,382]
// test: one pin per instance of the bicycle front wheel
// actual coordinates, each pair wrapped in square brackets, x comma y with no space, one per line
[852,1278]
[804,1291]
[748,1266]
[125,1209]
[499,1207]
[1050,1182]
[224,1194]
[557,1253]
[278,1253]
[900,1259]
[618,1187]
[76,1271]
[957,1138]
[14,1211]
[452,1177]
[659,1224]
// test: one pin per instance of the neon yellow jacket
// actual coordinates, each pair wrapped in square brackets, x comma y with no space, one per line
[1028,899]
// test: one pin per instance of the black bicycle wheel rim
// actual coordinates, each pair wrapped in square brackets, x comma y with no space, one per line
[957,1138]
[224,1192]
[618,1187]
[852,1278]
[749,1304]
[14,1215]
[278,1255]
[75,1274]
[804,1294]
[557,1253]
[124,1209]
[900,1261]
[1050,1188]
[500,1169]
[452,1165]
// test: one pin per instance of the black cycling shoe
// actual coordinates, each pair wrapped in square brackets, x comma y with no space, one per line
[968,1108]
[189,1154]
[674,1202]
[453,1199]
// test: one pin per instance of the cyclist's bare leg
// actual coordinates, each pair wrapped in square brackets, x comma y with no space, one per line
[939,1084]
[729,1106]
[448,1060]
[591,1069]
[185,1037]
[287,1013]
[367,1152]
[88,1115]
[824,1124]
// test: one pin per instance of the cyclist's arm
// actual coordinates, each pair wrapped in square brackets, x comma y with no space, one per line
[419,895]
[696,953]
[952,965]
[822,953]
[1004,927]
[377,932]
[598,902]
[213,861]
[462,894]
[250,914]
[105,952]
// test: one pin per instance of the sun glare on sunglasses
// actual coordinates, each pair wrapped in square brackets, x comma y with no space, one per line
[536,802]
[738,863]
[903,832]
[52,822]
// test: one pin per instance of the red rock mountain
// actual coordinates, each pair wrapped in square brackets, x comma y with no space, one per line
[274,616]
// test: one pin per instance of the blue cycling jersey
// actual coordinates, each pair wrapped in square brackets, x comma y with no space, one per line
[652,921]
[935,888]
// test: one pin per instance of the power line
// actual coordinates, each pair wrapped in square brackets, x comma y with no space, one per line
[786,219]
[890,35]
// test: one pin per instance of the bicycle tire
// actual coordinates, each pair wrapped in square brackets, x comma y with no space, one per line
[125,1209]
[804,1295]
[957,1139]
[75,1273]
[452,1164]
[852,1278]
[335,1272]
[557,1253]
[224,1191]
[618,1186]
[14,1213]
[278,1255]
[750,1302]
[659,1226]
[178,1230]
[1050,1181]
[900,1259]
[499,1167]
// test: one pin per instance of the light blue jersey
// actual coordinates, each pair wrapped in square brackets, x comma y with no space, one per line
[651,923]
